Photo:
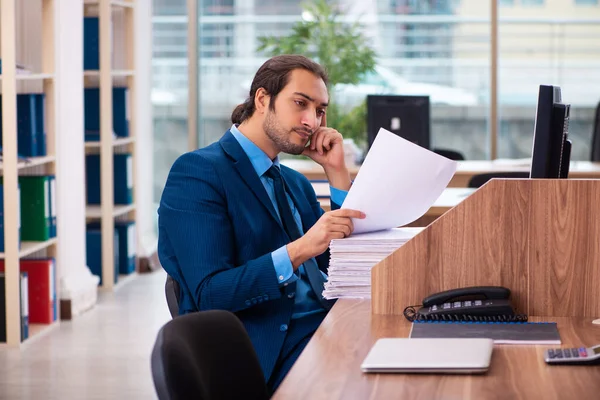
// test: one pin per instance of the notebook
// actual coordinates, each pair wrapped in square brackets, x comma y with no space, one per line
[500,332]
[429,356]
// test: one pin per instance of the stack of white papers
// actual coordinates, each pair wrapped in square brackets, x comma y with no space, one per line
[352,258]
[396,184]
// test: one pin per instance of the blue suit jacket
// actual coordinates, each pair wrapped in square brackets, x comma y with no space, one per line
[217,229]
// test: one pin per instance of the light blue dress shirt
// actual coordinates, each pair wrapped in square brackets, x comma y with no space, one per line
[305,301]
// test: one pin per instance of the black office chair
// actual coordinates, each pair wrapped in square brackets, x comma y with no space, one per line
[206,355]
[172,294]
[479,180]
[451,154]
[595,156]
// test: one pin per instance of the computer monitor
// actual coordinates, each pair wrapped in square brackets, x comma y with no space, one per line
[406,116]
[551,151]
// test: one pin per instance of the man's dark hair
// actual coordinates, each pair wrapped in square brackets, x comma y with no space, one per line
[273,75]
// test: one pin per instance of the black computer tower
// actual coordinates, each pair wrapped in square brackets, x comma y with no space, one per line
[406,116]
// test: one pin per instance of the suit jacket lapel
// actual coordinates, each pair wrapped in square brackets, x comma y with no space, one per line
[244,167]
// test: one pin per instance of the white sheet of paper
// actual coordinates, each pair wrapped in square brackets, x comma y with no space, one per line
[397,183]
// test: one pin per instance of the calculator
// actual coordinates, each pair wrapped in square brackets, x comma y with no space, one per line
[575,356]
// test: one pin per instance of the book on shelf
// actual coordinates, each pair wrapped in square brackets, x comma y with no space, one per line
[126,240]
[122,178]
[120,112]
[94,251]
[41,288]
[23,306]
[31,132]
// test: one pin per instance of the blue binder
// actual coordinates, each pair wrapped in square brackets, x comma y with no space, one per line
[127,246]
[52,200]
[91,43]
[122,178]
[40,108]
[26,125]
[91,100]
[125,231]
[121,111]
[94,251]
[31,134]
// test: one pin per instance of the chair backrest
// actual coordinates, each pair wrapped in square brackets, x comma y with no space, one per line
[206,355]
[480,179]
[451,154]
[172,294]
[595,156]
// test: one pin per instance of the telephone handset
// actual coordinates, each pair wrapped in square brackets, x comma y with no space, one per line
[476,303]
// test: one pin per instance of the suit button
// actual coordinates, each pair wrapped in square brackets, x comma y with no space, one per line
[283,328]
[291,295]
[248,303]
[266,297]
[254,301]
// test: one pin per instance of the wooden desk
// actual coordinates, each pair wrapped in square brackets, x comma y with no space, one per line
[450,197]
[464,171]
[329,366]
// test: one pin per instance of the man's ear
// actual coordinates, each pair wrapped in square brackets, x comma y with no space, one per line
[261,100]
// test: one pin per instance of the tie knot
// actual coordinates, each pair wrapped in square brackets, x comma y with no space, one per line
[274,172]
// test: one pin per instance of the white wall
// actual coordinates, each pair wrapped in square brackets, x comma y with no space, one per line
[76,282]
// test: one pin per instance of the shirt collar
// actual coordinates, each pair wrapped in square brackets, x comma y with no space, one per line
[258,158]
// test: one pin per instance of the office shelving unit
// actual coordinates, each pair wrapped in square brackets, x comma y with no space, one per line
[116,35]
[27,36]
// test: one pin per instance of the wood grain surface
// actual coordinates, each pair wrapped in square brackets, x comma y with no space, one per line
[540,238]
[329,367]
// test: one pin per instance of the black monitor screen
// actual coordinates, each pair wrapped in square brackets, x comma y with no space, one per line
[405,116]
[551,151]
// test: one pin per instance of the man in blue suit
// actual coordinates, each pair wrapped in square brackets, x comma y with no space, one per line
[240,232]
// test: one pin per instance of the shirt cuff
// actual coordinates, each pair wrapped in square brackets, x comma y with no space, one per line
[337,196]
[283,266]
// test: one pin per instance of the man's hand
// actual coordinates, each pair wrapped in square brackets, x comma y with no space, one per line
[335,224]
[327,149]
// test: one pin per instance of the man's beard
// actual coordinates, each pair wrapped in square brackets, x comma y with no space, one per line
[280,136]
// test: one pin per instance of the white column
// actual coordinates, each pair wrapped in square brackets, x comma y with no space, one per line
[146,212]
[77,284]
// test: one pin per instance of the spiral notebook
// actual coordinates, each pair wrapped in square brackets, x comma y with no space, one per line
[500,332]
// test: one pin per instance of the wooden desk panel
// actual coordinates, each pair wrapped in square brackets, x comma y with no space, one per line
[464,171]
[329,367]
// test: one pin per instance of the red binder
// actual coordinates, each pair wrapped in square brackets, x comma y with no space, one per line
[42,288]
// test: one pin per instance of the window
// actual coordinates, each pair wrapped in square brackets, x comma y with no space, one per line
[547,50]
[435,47]
[169,87]
[532,2]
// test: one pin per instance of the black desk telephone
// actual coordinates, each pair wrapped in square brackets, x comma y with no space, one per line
[477,303]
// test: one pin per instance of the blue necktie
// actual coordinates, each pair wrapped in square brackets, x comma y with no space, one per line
[315,277]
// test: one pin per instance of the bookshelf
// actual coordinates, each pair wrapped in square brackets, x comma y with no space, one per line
[116,69]
[27,37]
